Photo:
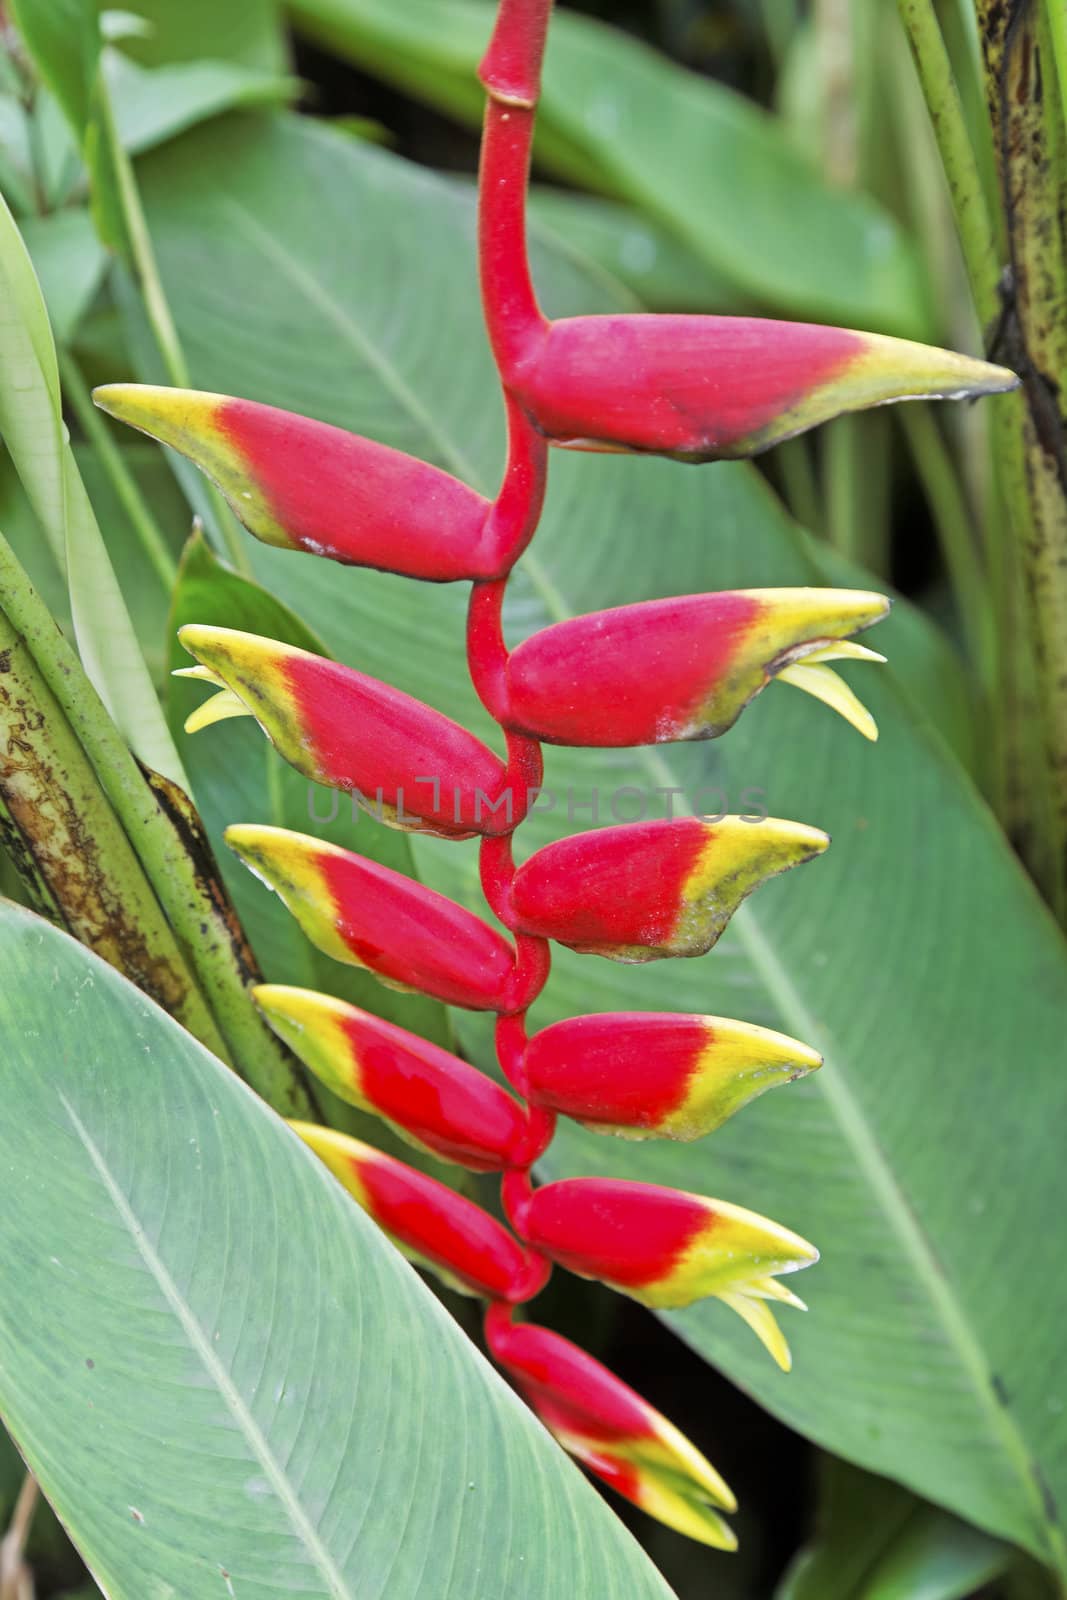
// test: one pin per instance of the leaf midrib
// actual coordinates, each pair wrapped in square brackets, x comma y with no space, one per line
[201,1345]
[846,1110]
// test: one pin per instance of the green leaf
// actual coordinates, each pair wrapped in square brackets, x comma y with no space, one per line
[712,167]
[250,33]
[236,776]
[663,272]
[31,423]
[63,37]
[915,953]
[878,1542]
[69,262]
[224,1378]
[154,104]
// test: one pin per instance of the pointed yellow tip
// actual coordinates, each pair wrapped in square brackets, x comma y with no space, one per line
[221,706]
[201,674]
[162,412]
[822,683]
[923,372]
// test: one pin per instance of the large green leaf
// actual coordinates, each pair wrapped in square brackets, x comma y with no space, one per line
[224,1378]
[32,427]
[915,954]
[620,118]
[875,1541]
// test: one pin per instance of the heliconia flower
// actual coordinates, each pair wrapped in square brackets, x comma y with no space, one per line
[707,388]
[612,1431]
[306,485]
[682,668]
[370,916]
[646,1075]
[650,889]
[428,1096]
[431,1224]
[406,763]
[662,1246]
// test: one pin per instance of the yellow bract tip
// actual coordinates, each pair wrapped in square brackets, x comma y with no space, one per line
[217,709]
[822,683]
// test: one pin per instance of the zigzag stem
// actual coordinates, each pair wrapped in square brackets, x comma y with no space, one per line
[510,73]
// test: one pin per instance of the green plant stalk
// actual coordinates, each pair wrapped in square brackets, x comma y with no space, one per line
[124,483]
[156,305]
[71,852]
[953,520]
[1056,23]
[1031,145]
[188,896]
[974,221]
[1031,792]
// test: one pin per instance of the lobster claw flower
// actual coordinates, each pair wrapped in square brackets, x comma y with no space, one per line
[707,388]
[306,485]
[609,1428]
[431,1224]
[683,668]
[370,916]
[643,1075]
[412,767]
[661,1246]
[428,1096]
[645,890]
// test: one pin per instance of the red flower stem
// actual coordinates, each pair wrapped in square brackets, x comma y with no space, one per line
[511,67]
[511,72]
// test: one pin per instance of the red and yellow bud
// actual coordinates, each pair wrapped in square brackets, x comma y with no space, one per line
[643,1075]
[675,669]
[305,485]
[369,916]
[428,1096]
[708,388]
[663,1247]
[612,1431]
[406,763]
[651,889]
[431,1224]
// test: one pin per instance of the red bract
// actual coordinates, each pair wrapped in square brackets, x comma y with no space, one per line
[669,1076]
[692,387]
[429,1096]
[306,485]
[661,1246]
[414,768]
[612,1431]
[651,889]
[709,388]
[429,1222]
[672,669]
[370,916]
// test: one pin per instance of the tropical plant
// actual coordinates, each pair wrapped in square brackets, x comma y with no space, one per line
[103,840]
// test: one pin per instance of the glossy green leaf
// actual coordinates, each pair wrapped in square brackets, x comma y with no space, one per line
[709,165]
[875,1541]
[224,1378]
[250,33]
[69,261]
[32,427]
[63,37]
[154,104]
[915,953]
